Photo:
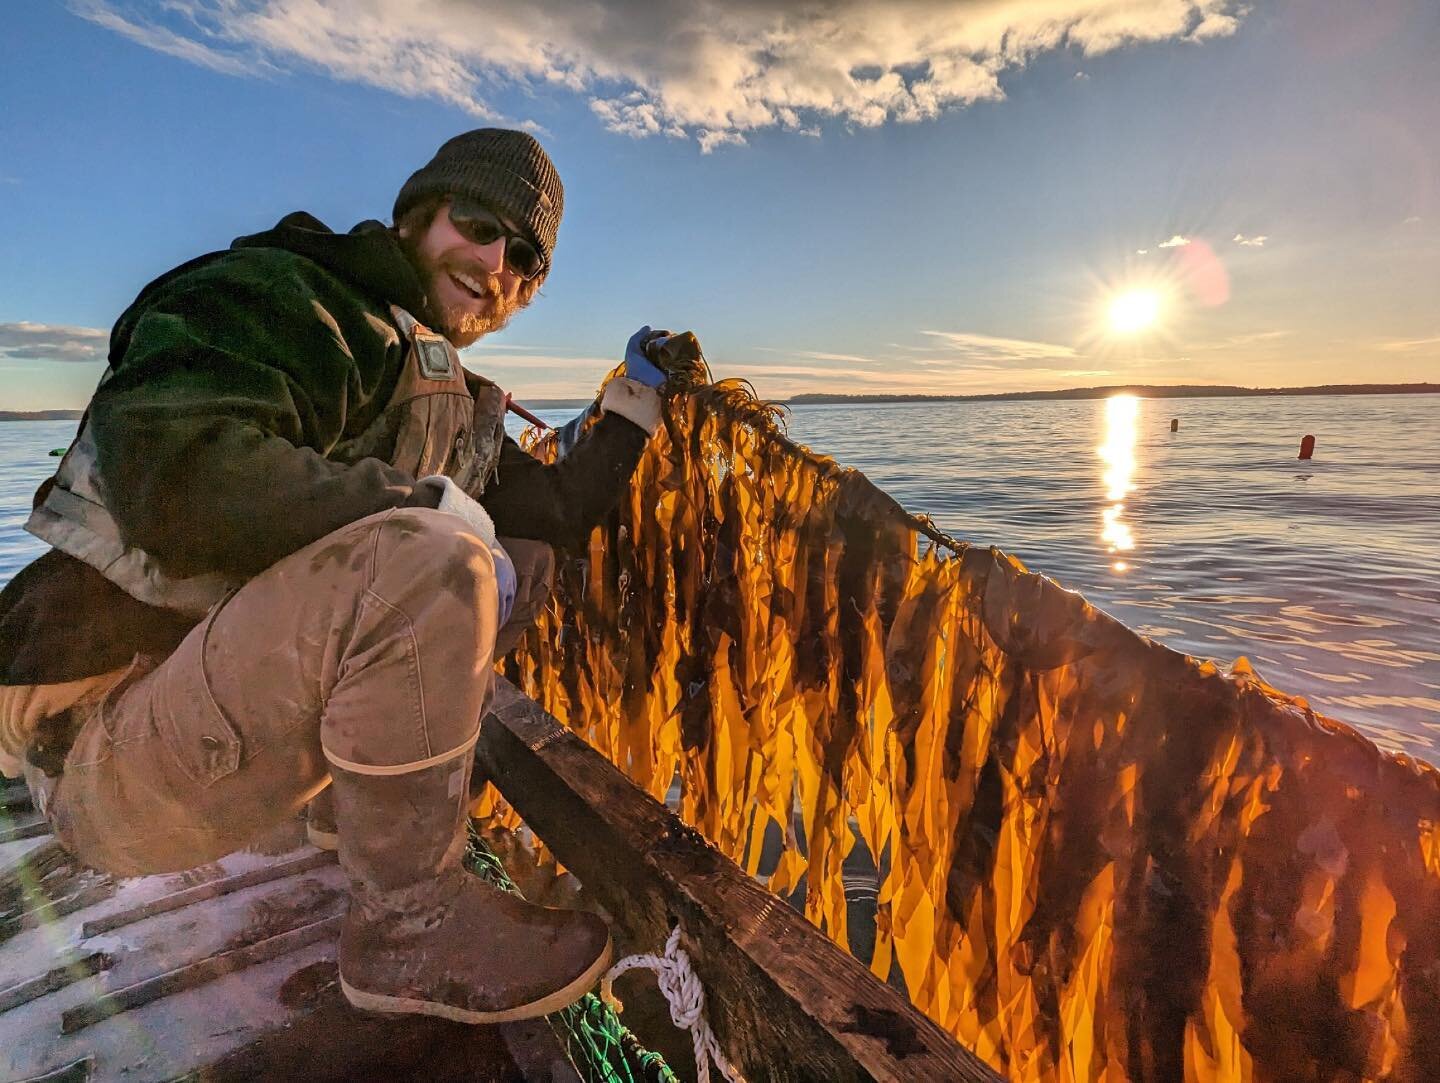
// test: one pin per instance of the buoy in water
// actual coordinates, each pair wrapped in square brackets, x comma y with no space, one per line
[1307,447]
[1174,424]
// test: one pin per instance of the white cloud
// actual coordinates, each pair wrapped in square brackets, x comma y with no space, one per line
[1413,220]
[1250,340]
[25,341]
[988,350]
[1412,345]
[710,138]
[955,377]
[164,40]
[534,372]
[1176,241]
[945,362]
[506,347]
[1142,251]
[1258,241]
[708,69]
[483,362]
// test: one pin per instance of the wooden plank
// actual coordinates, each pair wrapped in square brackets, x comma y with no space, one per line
[25,861]
[10,787]
[68,973]
[15,797]
[44,909]
[197,973]
[22,827]
[212,890]
[77,1071]
[785,1003]
[30,866]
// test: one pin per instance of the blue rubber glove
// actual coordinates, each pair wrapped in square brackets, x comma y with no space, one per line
[638,367]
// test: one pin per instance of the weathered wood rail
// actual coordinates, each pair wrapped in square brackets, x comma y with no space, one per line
[785,1003]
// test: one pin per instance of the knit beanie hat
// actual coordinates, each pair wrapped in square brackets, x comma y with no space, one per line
[506,170]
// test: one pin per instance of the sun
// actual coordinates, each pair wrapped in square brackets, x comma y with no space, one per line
[1134,311]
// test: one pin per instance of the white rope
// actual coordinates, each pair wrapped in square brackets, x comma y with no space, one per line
[686,996]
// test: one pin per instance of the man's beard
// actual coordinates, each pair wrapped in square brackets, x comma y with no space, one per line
[461,326]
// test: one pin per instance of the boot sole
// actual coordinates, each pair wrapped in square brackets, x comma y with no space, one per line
[561,998]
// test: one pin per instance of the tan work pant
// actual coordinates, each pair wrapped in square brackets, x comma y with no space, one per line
[391,617]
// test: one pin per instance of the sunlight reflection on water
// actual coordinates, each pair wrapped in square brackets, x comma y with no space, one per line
[1122,414]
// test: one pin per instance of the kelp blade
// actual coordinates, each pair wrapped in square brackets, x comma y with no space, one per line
[1100,859]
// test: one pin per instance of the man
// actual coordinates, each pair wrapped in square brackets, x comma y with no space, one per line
[270,570]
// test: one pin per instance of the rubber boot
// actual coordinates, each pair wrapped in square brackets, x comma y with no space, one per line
[320,821]
[423,935]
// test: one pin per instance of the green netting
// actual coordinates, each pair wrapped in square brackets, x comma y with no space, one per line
[600,1047]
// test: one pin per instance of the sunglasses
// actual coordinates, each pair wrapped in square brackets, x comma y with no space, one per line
[478,225]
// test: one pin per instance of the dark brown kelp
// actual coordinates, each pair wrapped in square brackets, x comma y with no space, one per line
[1102,859]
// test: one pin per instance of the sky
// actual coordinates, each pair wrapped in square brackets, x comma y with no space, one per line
[852,196]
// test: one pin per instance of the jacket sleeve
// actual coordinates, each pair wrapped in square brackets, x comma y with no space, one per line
[211,434]
[561,503]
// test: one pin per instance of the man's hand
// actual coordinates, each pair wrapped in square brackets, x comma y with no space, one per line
[442,494]
[638,367]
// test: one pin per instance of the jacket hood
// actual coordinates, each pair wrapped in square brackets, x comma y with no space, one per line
[368,257]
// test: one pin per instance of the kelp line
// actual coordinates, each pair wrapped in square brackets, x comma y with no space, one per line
[1101,859]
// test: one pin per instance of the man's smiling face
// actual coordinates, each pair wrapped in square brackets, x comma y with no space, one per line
[470,288]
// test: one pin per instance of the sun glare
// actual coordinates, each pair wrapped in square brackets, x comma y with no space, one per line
[1133,311]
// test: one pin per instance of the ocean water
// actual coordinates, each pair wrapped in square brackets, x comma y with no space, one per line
[1213,539]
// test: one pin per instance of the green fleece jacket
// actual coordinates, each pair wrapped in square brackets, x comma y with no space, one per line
[239,380]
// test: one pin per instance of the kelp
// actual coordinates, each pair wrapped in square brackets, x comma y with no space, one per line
[1099,859]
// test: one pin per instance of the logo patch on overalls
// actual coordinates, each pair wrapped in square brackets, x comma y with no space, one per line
[433,353]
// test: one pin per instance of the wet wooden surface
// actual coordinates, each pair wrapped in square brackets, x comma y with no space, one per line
[224,972]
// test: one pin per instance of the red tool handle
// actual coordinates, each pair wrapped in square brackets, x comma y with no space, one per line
[515,407]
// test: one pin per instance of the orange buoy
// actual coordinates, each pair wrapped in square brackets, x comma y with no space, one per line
[1307,447]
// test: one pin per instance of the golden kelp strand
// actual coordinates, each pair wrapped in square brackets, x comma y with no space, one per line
[1101,859]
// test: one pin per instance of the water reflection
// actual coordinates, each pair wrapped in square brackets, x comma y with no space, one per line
[1122,416]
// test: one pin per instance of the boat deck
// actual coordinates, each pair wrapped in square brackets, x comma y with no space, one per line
[229,967]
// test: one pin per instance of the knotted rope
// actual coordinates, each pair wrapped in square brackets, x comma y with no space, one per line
[682,990]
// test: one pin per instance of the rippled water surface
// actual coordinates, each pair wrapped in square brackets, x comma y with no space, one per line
[1213,539]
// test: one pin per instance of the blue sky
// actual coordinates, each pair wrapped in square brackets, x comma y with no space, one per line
[850,196]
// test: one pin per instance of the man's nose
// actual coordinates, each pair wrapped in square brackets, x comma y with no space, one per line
[491,255]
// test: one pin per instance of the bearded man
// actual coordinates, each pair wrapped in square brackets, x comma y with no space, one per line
[281,556]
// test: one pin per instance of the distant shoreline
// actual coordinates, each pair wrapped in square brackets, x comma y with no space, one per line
[40,415]
[1145,391]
